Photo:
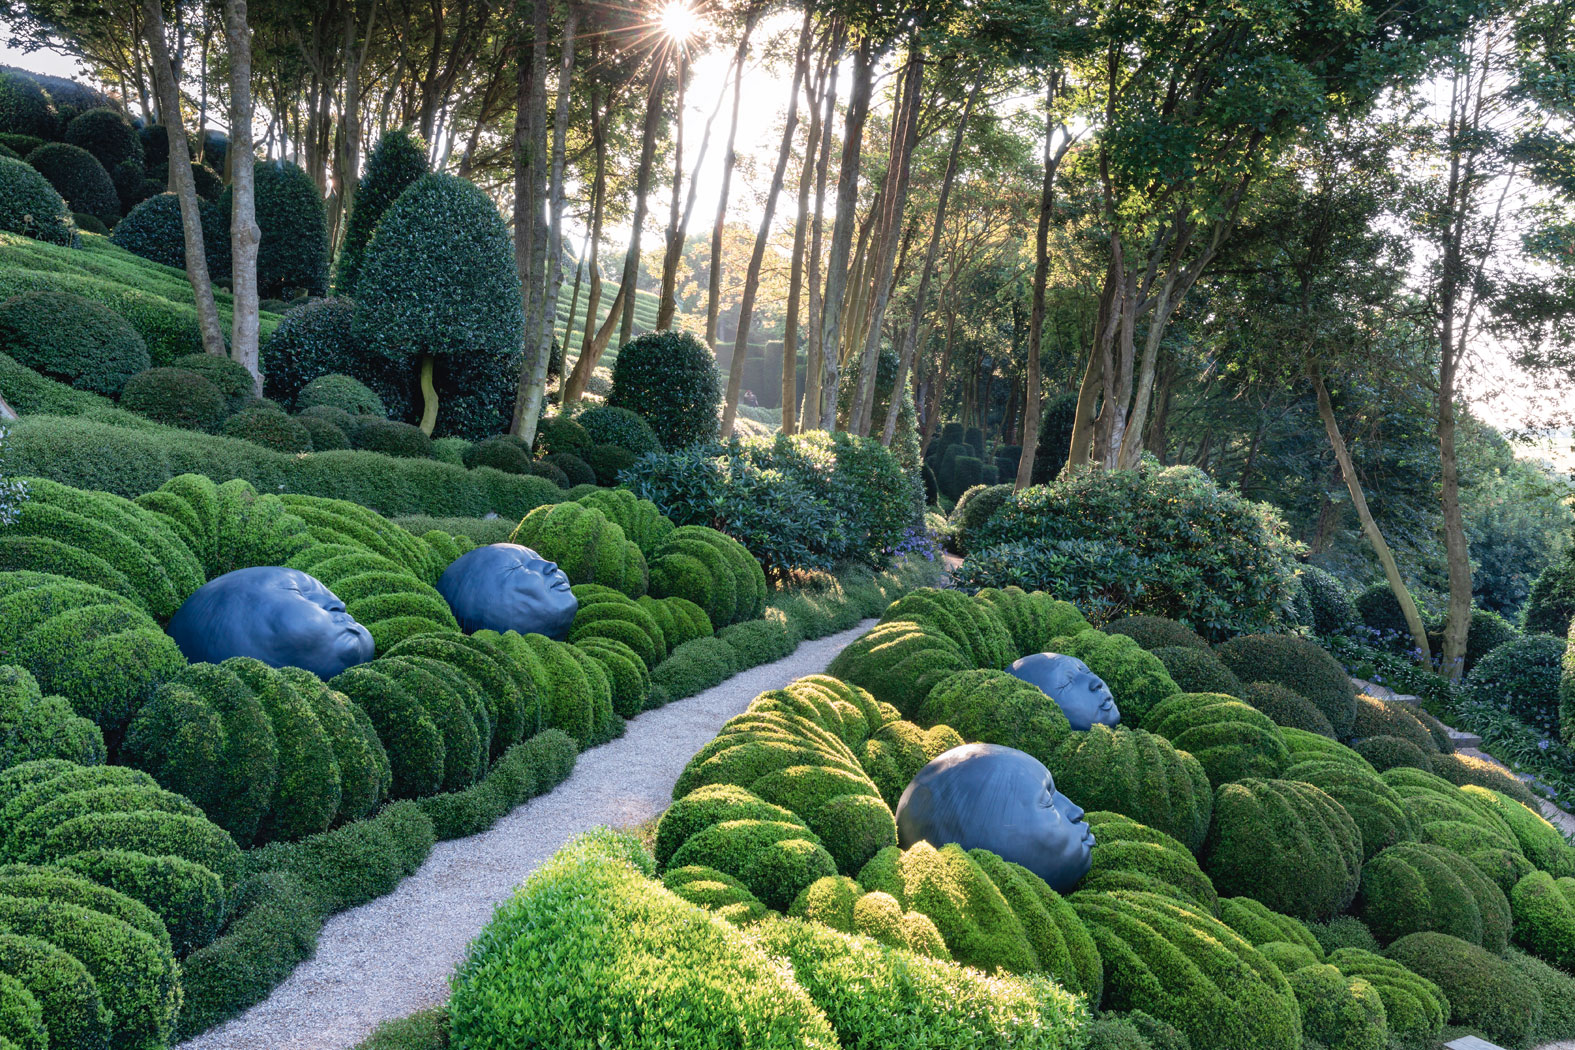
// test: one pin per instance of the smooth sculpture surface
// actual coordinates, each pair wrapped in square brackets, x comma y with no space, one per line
[507,587]
[282,617]
[1081,694]
[985,796]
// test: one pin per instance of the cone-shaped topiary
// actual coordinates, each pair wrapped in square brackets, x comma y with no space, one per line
[1139,775]
[398,159]
[1231,740]
[293,253]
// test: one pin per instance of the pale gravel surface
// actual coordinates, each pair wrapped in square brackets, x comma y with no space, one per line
[392,957]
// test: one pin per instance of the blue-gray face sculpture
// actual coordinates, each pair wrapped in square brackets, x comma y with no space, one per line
[1081,694]
[507,587]
[984,796]
[282,617]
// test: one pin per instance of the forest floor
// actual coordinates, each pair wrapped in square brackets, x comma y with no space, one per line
[391,957]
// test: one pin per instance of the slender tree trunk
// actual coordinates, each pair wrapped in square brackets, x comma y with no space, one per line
[810,417]
[932,409]
[185,184]
[667,306]
[746,309]
[1033,382]
[1375,536]
[530,118]
[911,337]
[806,176]
[245,237]
[842,230]
[574,384]
[642,188]
[534,385]
[729,159]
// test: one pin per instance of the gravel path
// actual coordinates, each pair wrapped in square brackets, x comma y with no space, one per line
[392,957]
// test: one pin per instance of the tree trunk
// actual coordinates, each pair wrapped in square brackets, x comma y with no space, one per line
[729,158]
[911,337]
[810,417]
[932,410]
[574,384]
[1033,383]
[806,176]
[533,387]
[1375,537]
[642,189]
[245,237]
[842,230]
[185,184]
[668,305]
[530,118]
[746,309]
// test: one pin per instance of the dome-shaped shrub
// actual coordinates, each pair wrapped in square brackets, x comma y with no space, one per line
[30,206]
[398,159]
[1129,855]
[896,752]
[175,397]
[1381,614]
[228,374]
[153,230]
[1415,1008]
[608,613]
[899,663]
[1136,676]
[1033,619]
[975,626]
[1551,604]
[1375,717]
[1389,752]
[390,437]
[270,428]
[711,569]
[1180,964]
[1544,917]
[72,1004]
[994,707]
[1288,709]
[1139,775]
[1299,665]
[1333,612]
[1232,740]
[1521,677]
[80,179]
[24,108]
[607,462]
[671,379]
[1339,1012]
[974,507]
[575,469]
[34,726]
[503,452]
[315,340]
[438,284]
[588,547]
[293,253]
[1413,886]
[1154,632]
[1539,840]
[1285,843]
[104,133]
[340,391]
[72,339]
[1261,925]
[561,434]
[1485,993]
[1379,812]
[1197,670]
[610,425]
[641,521]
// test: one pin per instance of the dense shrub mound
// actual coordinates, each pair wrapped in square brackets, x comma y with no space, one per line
[1288,709]
[1551,604]
[1484,991]
[588,547]
[671,380]
[1033,619]
[104,133]
[1376,717]
[642,523]
[1379,812]
[609,614]
[1539,840]
[152,229]
[1129,855]
[24,108]
[228,526]
[1178,963]
[1448,816]
[1415,1008]
[1136,676]
[342,392]
[270,428]
[293,253]
[896,752]
[229,375]
[316,340]
[1330,603]
[30,206]
[80,180]
[899,663]
[561,434]
[508,680]
[1154,632]
[1139,775]
[1521,677]
[710,569]
[1299,665]
[176,397]
[1232,740]
[36,727]
[1260,925]
[997,708]
[1197,670]
[1413,887]
[1544,917]
[398,159]
[974,508]
[1285,843]
[976,627]
[72,339]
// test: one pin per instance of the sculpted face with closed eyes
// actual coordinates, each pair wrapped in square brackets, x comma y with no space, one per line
[1082,695]
[508,587]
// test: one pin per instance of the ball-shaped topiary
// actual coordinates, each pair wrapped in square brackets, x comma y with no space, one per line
[899,663]
[1129,855]
[561,434]
[711,569]
[34,726]
[642,522]
[1154,632]
[1285,843]
[175,397]
[976,627]
[316,340]
[1521,677]
[30,206]
[671,379]
[24,108]
[608,462]
[79,178]
[104,133]
[1379,812]
[153,230]
[1339,1012]
[73,1006]
[1544,915]
[1333,612]
[1139,775]
[611,425]
[1288,709]
[575,469]
[1301,666]
[588,547]
[342,392]
[398,159]
[1391,752]
[1033,619]
[1232,740]
[73,339]
[439,287]
[997,708]
[1413,886]
[270,428]
[391,437]
[974,508]
[1484,992]
[503,452]
[293,253]
[1197,670]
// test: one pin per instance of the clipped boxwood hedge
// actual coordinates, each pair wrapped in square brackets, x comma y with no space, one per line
[1139,775]
[1232,740]
[1413,887]
[1299,665]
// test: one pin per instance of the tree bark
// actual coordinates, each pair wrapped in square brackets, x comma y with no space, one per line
[810,417]
[1033,382]
[642,188]
[667,305]
[530,147]
[574,384]
[806,177]
[245,237]
[1375,536]
[185,185]
[842,230]
[746,309]
[729,158]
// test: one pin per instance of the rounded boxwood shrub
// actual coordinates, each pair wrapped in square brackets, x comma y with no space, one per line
[315,340]
[46,809]
[391,438]
[712,570]
[438,285]
[607,462]
[1389,752]
[620,427]
[1333,612]
[1521,677]
[1232,740]
[1139,775]
[1287,708]
[1380,612]
[228,374]
[1136,677]
[975,626]
[72,339]
[104,133]
[1484,992]
[671,380]
[1415,1009]
[588,547]
[717,892]
[340,391]
[1551,604]
[306,794]
[1375,717]
[1299,665]
[575,469]
[1033,619]
[24,108]
[1285,843]
[1379,812]
[176,397]
[1544,917]
[1539,840]
[503,452]
[398,159]
[362,762]
[325,436]
[34,726]
[74,1016]
[607,613]
[1060,941]
[776,861]
[896,751]
[293,253]
[1129,855]
[642,522]
[188,898]
[79,178]
[408,733]
[1180,964]
[1155,632]
[561,434]
[974,507]
[708,805]
[1339,1012]
[1260,925]
[997,708]
[1197,670]
[542,469]
[30,206]
[270,428]
[1413,886]
[506,682]
[152,229]
[1555,988]
[899,663]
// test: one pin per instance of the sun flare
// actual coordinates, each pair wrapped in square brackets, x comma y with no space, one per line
[678,20]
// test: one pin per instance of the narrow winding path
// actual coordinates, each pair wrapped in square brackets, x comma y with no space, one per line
[392,957]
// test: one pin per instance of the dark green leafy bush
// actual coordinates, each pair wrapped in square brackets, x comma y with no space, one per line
[607,462]
[1285,843]
[1333,612]
[398,159]
[325,436]
[188,898]
[1299,665]
[24,108]
[293,253]
[1197,670]
[104,133]
[621,427]
[560,434]
[1412,887]
[30,206]
[340,391]
[226,373]
[997,708]
[1551,605]
[691,668]
[575,469]
[79,178]
[268,427]
[176,397]
[973,509]
[1139,775]
[74,1016]
[391,438]
[1155,632]
[503,452]
[1032,619]
[1484,992]
[72,339]
[34,726]
[671,380]
[152,229]
[316,340]
[1521,677]
[1287,708]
